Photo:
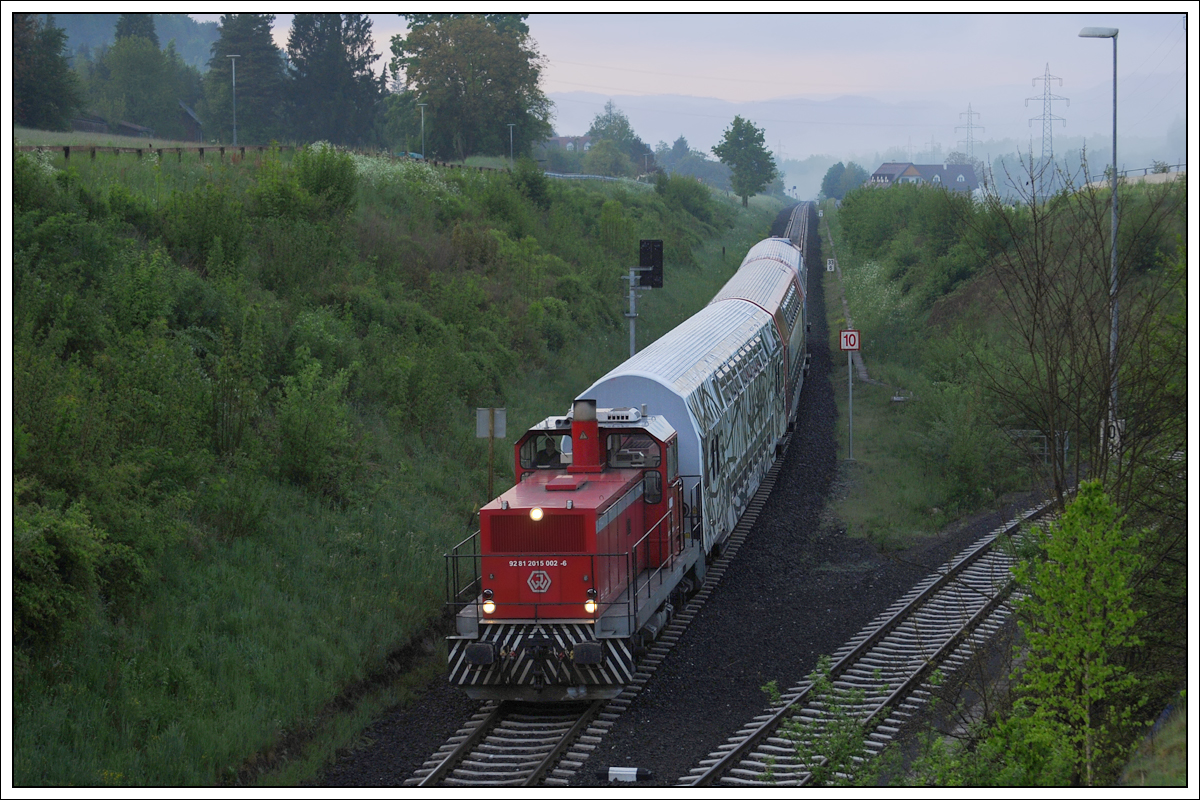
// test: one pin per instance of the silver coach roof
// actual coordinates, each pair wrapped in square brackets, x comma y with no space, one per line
[674,376]
[763,282]
[781,250]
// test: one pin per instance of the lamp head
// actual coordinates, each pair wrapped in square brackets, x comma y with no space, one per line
[1099,33]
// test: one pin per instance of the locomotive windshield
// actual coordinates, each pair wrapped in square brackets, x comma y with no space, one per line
[544,452]
[632,449]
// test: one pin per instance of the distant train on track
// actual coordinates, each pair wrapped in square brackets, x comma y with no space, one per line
[622,503]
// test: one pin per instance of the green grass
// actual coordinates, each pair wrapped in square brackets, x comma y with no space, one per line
[33,136]
[1162,759]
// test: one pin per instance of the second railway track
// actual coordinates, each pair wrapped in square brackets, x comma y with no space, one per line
[880,673]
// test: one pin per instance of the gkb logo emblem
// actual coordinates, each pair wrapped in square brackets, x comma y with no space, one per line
[539,581]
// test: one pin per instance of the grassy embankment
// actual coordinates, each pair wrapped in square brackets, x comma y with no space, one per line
[895,491]
[925,285]
[243,412]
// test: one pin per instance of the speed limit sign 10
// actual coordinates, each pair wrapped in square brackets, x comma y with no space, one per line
[850,340]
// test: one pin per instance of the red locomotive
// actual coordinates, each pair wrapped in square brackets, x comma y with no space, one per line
[616,511]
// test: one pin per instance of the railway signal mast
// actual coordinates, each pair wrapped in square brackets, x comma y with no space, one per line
[650,261]
[851,343]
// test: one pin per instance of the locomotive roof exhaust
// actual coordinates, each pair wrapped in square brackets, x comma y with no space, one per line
[585,438]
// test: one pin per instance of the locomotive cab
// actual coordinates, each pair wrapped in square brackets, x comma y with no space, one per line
[574,565]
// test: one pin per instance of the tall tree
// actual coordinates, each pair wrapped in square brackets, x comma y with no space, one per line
[137,25]
[260,80]
[45,90]
[743,149]
[478,73]
[334,93]
[832,182]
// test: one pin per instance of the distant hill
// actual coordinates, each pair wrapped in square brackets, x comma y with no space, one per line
[193,40]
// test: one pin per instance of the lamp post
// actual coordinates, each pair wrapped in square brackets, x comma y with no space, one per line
[510,143]
[422,106]
[233,62]
[1110,430]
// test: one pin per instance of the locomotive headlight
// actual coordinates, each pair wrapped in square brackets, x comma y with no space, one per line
[535,514]
[489,605]
[589,605]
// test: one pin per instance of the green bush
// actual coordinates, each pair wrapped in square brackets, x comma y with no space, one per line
[203,219]
[276,191]
[54,570]
[314,429]
[33,184]
[687,194]
[328,175]
[532,182]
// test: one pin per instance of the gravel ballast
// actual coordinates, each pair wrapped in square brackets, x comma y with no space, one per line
[798,588]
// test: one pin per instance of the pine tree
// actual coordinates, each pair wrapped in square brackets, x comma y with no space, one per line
[334,94]
[137,25]
[46,92]
[260,81]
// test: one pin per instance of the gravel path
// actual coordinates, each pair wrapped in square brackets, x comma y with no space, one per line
[798,589]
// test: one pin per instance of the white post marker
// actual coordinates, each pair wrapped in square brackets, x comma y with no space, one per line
[830,265]
[851,342]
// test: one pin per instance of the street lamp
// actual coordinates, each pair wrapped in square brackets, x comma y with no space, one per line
[422,106]
[510,143]
[1110,430]
[233,61]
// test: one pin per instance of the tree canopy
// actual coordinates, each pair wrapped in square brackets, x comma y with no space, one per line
[841,179]
[334,93]
[137,25]
[743,149]
[134,81]
[613,126]
[478,73]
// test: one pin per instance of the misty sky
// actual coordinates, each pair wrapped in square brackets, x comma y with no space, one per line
[861,82]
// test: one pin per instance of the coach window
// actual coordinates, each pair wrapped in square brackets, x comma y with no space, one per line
[672,460]
[632,449]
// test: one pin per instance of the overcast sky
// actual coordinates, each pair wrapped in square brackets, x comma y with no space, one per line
[761,64]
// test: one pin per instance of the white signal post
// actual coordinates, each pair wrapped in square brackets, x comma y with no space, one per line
[851,342]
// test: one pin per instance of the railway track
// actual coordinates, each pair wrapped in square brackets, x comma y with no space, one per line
[506,744]
[515,744]
[881,677]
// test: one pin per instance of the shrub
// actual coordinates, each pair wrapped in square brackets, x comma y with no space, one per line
[195,220]
[328,175]
[532,182]
[33,183]
[314,428]
[687,194]
[55,557]
[276,191]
